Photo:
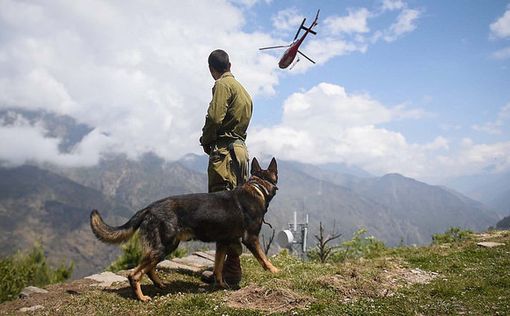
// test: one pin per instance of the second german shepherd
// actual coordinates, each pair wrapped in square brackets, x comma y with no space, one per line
[221,217]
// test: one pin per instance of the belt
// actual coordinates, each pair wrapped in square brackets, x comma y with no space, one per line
[227,142]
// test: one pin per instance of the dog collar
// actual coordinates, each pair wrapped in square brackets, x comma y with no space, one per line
[259,189]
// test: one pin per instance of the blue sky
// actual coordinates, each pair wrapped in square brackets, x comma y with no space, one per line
[444,67]
[415,87]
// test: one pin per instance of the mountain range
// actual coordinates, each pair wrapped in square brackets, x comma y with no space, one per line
[491,189]
[51,204]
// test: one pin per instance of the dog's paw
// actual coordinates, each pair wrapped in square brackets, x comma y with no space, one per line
[144,298]
[274,270]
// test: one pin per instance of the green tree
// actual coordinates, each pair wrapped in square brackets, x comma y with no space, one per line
[453,234]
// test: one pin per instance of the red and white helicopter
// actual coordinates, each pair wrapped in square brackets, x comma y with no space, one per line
[293,49]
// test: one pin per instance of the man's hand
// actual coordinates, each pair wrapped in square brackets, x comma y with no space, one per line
[206,148]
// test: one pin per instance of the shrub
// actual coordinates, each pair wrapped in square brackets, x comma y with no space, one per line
[452,235]
[24,269]
[359,246]
[322,250]
[132,254]
[362,246]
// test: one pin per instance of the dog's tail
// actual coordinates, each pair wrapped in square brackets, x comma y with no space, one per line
[115,235]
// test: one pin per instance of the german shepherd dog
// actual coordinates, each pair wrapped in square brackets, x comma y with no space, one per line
[221,217]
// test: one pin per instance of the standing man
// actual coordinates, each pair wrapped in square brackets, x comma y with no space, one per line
[223,139]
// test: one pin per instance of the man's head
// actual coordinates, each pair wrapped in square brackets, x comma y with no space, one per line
[218,63]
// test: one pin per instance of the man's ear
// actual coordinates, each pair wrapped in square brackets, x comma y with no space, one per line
[255,167]
[273,167]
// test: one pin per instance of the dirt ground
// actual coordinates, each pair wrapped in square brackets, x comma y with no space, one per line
[355,283]
[56,296]
[267,300]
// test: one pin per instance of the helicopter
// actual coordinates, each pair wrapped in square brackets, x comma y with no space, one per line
[293,49]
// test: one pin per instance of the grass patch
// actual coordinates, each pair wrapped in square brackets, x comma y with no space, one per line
[441,279]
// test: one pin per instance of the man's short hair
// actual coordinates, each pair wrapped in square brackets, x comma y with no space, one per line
[218,60]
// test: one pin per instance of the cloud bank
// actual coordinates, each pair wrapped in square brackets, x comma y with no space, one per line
[500,29]
[137,78]
[328,124]
[136,75]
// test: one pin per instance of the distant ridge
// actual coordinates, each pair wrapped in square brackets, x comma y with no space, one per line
[37,205]
[54,205]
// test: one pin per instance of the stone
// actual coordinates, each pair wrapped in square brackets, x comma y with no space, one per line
[29,290]
[106,279]
[170,265]
[195,261]
[31,308]
[205,254]
[490,244]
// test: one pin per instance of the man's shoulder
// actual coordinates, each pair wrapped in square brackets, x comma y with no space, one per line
[229,83]
[226,79]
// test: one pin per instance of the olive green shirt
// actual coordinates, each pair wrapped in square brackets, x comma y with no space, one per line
[229,112]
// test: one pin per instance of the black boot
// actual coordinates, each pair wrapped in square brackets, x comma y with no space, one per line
[232,272]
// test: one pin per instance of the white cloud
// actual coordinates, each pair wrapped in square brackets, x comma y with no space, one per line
[354,22]
[137,74]
[325,49]
[287,19]
[328,124]
[405,23]
[392,5]
[338,108]
[477,158]
[29,143]
[248,3]
[495,127]
[501,27]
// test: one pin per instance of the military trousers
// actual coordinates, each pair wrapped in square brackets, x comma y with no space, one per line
[228,168]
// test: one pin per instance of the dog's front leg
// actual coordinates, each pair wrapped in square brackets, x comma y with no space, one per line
[252,243]
[219,260]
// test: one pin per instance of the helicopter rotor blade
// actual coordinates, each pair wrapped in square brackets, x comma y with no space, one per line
[299,29]
[306,57]
[309,30]
[317,16]
[273,47]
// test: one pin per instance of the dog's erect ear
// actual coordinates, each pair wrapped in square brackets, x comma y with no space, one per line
[273,167]
[255,167]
